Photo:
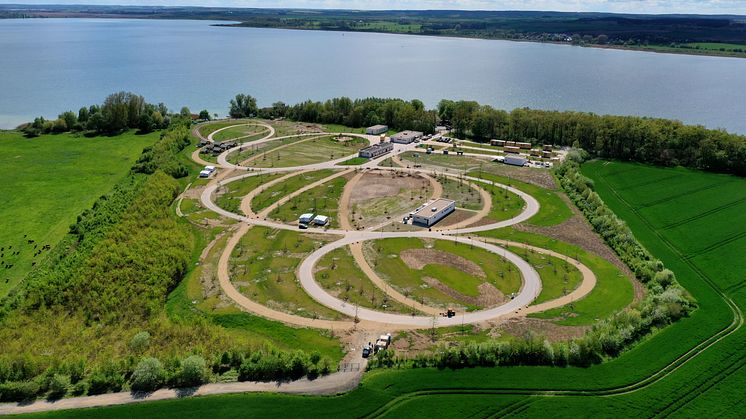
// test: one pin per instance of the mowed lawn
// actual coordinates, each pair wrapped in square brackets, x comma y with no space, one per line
[702,216]
[47,182]
[315,150]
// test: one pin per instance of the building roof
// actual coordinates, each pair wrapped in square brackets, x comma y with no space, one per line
[322,218]
[306,216]
[433,207]
[407,134]
[378,126]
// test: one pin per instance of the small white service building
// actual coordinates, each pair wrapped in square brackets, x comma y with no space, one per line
[433,212]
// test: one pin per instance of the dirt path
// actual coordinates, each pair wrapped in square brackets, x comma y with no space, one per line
[335,383]
[585,287]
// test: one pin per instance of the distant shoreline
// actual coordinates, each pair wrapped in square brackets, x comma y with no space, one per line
[661,49]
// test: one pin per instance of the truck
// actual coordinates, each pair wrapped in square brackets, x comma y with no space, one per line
[382,343]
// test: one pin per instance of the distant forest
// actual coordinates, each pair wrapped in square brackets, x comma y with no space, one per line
[665,33]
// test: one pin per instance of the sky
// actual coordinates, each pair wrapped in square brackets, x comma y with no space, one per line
[621,6]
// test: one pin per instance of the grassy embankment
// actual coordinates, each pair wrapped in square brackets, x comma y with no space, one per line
[48,181]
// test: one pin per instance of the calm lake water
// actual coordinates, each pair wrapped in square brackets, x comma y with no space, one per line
[51,65]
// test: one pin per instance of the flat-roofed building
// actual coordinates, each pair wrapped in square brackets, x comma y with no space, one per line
[406,137]
[433,212]
[376,150]
[377,129]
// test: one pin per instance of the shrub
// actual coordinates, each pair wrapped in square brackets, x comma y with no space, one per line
[19,391]
[192,373]
[58,385]
[140,341]
[149,375]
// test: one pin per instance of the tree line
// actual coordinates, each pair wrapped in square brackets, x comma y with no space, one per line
[647,140]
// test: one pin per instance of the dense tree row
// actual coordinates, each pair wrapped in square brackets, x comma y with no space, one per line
[665,302]
[120,111]
[649,140]
[396,113]
[162,155]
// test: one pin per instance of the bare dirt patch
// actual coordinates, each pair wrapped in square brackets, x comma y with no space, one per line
[521,326]
[380,184]
[455,217]
[419,258]
[538,177]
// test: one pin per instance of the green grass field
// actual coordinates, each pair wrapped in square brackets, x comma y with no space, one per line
[210,127]
[355,161]
[558,278]
[464,195]
[49,180]
[263,268]
[553,210]
[191,303]
[246,133]
[323,200]
[665,379]
[232,194]
[272,194]
[613,290]
[315,150]
[385,257]
[338,273]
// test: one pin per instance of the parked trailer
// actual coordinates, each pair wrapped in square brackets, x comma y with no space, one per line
[512,149]
[525,146]
[510,143]
[497,143]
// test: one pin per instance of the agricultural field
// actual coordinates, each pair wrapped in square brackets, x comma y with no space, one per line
[443,273]
[58,176]
[313,150]
[380,196]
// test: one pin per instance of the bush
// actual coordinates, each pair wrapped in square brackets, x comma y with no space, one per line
[193,372]
[140,341]
[149,375]
[58,386]
[19,391]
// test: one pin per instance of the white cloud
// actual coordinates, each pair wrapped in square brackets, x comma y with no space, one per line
[622,6]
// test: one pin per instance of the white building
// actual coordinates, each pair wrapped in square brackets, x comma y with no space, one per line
[515,160]
[433,212]
[376,150]
[377,129]
[406,137]
[204,173]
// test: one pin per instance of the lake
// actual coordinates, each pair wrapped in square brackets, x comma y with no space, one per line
[52,65]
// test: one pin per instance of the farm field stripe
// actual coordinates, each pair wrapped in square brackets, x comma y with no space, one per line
[703,214]
[678,195]
[715,246]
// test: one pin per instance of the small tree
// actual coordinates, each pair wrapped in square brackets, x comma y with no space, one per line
[58,385]
[204,115]
[140,341]
[148,375]
[193,372]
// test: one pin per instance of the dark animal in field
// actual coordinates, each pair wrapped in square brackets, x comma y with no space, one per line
[30,242]
[33,263]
